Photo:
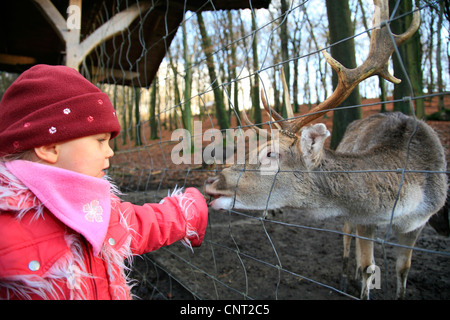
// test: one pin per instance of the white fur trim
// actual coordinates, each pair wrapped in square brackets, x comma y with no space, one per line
[70,270]
[16,197]
[185,203]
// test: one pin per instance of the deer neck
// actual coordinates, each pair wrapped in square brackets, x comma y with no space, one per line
[337,190]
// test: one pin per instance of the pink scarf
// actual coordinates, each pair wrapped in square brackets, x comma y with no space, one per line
[81,202]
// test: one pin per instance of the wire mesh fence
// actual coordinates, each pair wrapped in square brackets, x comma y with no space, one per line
[280,254]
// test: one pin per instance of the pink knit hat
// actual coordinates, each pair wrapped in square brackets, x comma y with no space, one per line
[49,104]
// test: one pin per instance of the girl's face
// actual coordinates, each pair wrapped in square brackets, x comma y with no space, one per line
[88,155]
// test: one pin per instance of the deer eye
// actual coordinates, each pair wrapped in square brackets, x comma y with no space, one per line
[272,155]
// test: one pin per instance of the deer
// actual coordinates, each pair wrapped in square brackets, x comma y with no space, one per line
[388,170]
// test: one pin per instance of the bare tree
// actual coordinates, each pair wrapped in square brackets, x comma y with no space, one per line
[221,113]
[152,111]
[255,87]
[284,37]
[410,52]
[340,27]
[233,62]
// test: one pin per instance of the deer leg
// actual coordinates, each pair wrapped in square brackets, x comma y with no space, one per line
[348,228]
[403,263]
[364,256]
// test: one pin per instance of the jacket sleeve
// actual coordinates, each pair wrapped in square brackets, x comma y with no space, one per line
[181,216]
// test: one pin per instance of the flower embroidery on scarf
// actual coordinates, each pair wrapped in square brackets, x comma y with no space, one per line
[93,211]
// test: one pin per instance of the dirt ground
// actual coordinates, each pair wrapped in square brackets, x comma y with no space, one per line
[287,255]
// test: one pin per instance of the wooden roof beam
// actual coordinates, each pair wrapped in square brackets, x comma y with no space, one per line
[56,20]
[99,75]
[15,59]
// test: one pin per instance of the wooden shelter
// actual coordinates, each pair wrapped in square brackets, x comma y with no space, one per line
[133,35]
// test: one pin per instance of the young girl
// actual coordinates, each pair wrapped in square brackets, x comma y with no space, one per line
[63,232]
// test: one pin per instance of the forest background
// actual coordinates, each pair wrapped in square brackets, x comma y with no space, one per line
[219,61]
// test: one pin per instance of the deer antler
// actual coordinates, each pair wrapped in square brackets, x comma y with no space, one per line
[381,49]
[272,113]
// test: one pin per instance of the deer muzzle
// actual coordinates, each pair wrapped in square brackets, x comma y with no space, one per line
[221,199]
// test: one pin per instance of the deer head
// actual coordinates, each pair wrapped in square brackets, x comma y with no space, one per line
[299,149]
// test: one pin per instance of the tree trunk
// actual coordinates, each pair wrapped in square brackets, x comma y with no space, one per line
[124,116]
[137,115]
[296,41]
[284,51]
[129,107]
[152,111]
[381,81]
[321,74]
[221,113]
[233,64]
[115,108]
[187,112]
[440,83]
[255,89]
[340,27]
[430,84]
[410,52]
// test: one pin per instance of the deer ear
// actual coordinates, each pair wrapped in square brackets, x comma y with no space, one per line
[311,143]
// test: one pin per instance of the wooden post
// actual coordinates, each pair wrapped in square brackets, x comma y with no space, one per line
[68,31]
[73,34]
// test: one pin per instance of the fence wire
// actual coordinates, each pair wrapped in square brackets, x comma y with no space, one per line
[278,254]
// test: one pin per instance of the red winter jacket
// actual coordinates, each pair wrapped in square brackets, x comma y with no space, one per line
[41,257]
